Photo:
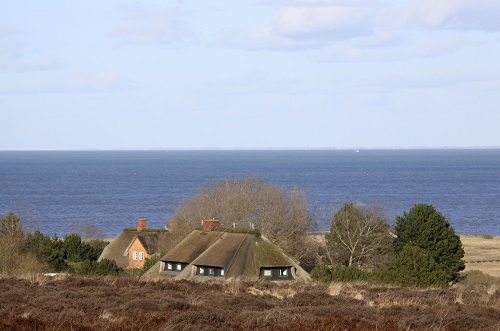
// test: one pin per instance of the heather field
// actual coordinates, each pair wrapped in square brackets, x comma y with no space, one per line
[127,303]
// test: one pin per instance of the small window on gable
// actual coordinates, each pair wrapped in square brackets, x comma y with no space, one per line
[178,267]
[267,273]
[134,256]
[169,266]
[141,255]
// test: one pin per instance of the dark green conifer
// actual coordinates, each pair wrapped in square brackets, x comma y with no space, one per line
[424,227]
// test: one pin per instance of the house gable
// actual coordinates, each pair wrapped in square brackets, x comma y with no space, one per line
[137,253]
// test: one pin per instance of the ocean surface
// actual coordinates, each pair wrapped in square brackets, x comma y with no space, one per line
[57,192]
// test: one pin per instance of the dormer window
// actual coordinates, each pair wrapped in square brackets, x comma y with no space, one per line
[174,267]
[209,271]
[276,273]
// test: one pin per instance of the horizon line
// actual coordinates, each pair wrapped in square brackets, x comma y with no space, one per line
[354,148]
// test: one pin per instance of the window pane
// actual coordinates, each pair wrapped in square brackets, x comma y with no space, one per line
[222,272]
[179,267]
[267,273]
[202,271]
[169,266]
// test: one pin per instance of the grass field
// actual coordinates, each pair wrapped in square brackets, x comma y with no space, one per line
[129,303]
[480,252]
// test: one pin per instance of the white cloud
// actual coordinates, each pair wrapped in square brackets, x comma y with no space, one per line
[154,26]
[452,14]
[254,81]
[430,79]
[380,39]
[14,57]
[304,25]
[332,22]
[103,82]
[364,54]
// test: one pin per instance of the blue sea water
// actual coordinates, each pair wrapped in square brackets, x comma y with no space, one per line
[59,191]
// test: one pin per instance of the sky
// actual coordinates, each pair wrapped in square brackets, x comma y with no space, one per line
[105,75]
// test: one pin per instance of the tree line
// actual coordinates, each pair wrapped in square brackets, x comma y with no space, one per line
[26,253]
[421,249]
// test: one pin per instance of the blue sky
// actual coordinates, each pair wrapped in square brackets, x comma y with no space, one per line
[249,74]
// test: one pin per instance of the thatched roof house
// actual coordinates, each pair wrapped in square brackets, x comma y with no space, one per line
[132,246]
[228,256]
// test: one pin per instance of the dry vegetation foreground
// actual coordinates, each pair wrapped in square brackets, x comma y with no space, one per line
[124,303]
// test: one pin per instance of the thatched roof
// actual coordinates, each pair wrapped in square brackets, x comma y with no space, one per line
[116,250]
[241,255]
[191,247]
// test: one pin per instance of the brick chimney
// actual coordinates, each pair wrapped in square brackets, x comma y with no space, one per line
[173,225]
[142,224]
[208,225]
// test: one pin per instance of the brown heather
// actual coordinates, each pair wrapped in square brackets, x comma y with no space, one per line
[127,303]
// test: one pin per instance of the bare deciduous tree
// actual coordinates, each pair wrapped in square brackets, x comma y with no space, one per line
[281,217]
[358,236]
[14,258]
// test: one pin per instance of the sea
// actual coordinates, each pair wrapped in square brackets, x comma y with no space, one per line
[57,192]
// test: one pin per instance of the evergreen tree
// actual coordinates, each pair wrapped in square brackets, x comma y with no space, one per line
[426,228]
[414,266]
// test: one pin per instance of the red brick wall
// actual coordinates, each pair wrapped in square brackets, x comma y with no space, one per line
[138,248]
[209,224]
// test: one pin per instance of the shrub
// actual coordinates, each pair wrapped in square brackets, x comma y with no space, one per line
[77,250]
[321,272]
[478,280]
[150,262]
[414,266]
[93,268]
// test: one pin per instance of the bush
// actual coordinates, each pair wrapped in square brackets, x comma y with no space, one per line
[350,274]
[93,268]
[321,273]
[478,280]
[48,250]
[414,266]
[150,262]
[77,250]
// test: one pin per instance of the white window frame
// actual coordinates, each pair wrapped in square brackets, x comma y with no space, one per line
[169,266]
[141,256]
[268,273]
[134,255]
[178,267]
